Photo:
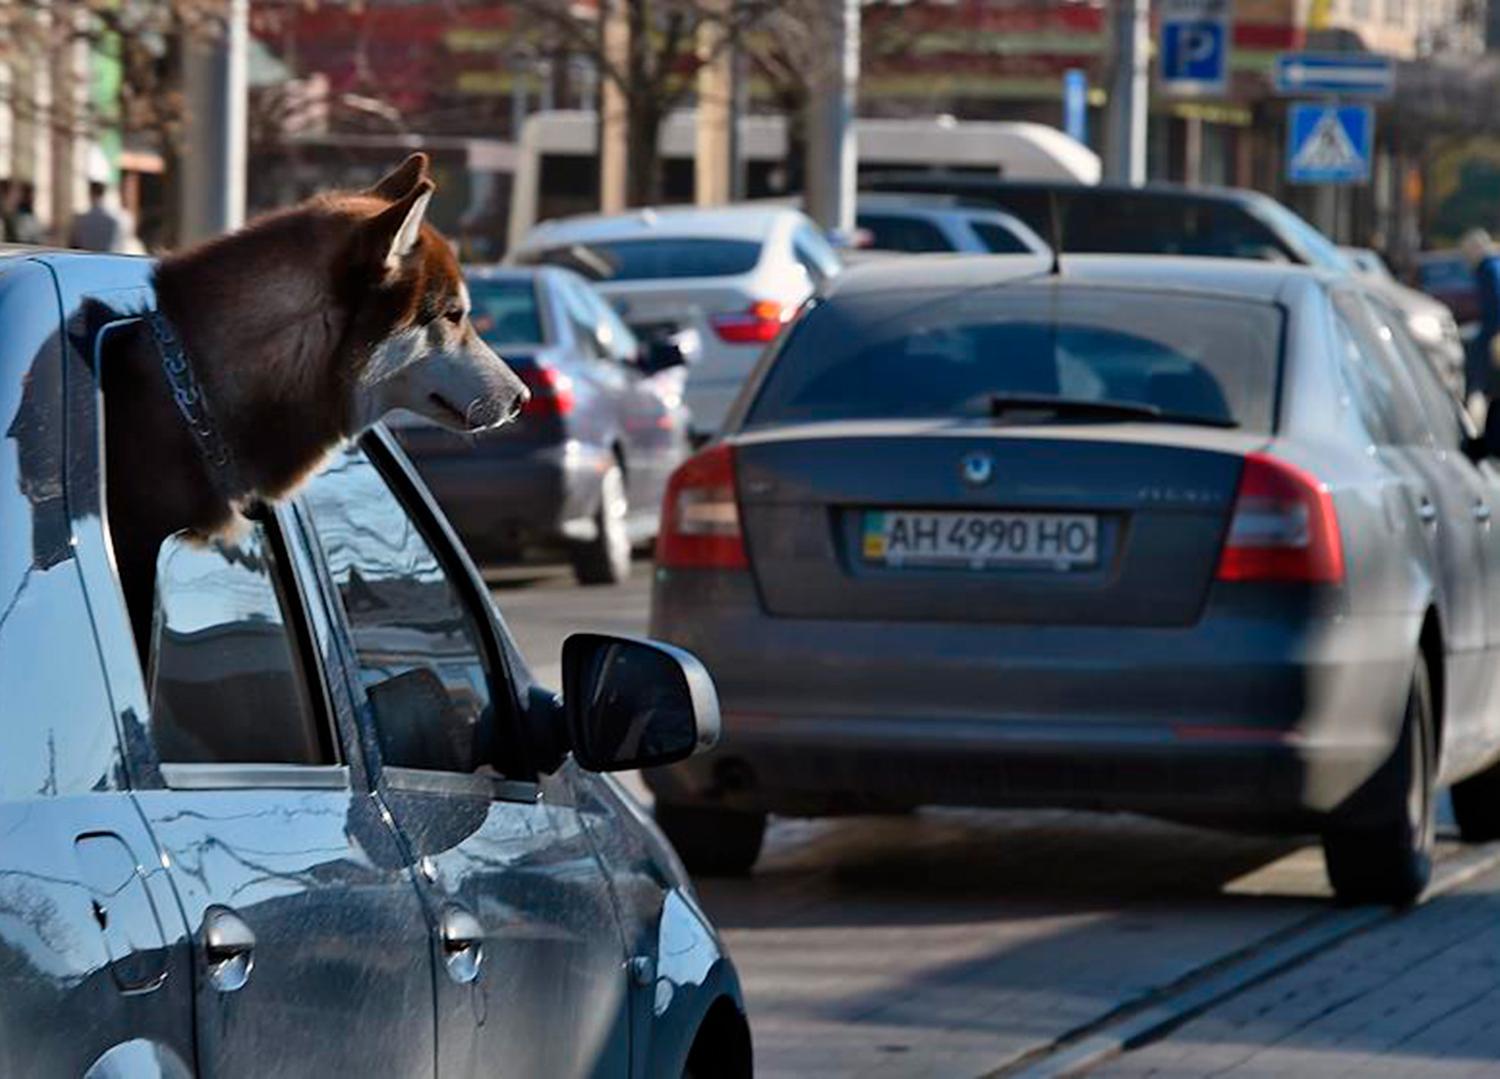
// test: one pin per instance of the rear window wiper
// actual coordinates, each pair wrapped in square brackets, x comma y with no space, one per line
[1003,404]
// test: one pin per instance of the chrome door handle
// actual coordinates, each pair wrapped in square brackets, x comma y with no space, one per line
[1481,512]
[463,944]
[1427,510]
[228,948]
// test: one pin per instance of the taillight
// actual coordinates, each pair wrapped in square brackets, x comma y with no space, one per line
[1284,527]
[756,326]
[700,517]
[551,392]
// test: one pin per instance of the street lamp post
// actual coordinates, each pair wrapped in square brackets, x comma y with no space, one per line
[1129,92]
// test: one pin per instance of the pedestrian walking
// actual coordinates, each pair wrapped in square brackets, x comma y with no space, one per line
[105,225]
[22,224]
[1484,260]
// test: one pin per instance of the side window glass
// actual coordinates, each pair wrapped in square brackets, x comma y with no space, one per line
[616,336]
[1366,395]
[815,254]
[226,674]
[420,649]
[1402,412]
[910,234]
[1441,409]
[584,318]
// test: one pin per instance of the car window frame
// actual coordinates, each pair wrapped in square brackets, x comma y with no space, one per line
[416,501]
[148,770]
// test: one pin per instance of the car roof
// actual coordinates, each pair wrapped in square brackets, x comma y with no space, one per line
[1249,278]
[503,273]
[929,205]
[718,222]
[964,183]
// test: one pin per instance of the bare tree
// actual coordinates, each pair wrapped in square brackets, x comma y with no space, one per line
[793,50]
[657,71]
[144,37]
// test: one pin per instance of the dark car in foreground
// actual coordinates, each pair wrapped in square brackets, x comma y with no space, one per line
[1194,538]
[1172,219]
[330,826]
[584,468]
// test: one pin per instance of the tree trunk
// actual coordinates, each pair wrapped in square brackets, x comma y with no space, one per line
[643,183]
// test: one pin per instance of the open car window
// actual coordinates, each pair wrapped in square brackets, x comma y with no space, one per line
[420,649]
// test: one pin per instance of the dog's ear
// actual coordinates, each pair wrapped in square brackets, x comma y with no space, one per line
[399,181]
[392,234]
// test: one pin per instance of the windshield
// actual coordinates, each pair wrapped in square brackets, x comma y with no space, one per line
[505,312]
[884,355]
[640,260]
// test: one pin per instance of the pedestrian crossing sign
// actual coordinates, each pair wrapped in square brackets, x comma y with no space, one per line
[1329,144]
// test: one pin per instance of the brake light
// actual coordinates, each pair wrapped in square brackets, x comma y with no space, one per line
[700,517]
[551,392]
[756,326]
[1284,527]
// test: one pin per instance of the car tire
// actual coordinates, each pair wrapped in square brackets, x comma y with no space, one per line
[1379,848]
[605,559]
[713,842]
[1476,806]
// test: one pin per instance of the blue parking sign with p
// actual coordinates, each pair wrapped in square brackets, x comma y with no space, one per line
[1194,55]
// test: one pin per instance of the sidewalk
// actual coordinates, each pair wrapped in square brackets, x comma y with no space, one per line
[1417,998]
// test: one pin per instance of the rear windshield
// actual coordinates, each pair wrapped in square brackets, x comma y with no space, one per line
[505,312]
[640,260]
[887,355]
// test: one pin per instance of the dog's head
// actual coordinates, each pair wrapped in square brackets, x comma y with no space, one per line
[417,348]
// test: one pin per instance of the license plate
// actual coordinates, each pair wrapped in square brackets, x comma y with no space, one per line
[1059,541]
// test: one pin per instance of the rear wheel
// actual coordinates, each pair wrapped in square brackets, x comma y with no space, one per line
[1476,806]
[711,841]
[605,559]
[1379,848]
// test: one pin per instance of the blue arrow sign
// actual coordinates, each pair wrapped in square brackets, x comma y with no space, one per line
[1361,74]
[1329,144]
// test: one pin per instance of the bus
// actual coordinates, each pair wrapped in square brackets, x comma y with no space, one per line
[556,166]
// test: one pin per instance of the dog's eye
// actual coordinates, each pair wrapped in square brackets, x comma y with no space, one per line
[454,315]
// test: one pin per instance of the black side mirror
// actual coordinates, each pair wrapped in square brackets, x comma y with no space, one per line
[1487,444]
[632,703]
[662,354]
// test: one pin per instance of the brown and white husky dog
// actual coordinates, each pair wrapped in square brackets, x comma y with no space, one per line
[300,330]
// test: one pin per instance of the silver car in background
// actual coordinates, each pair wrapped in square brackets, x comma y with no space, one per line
[927,224]
[733,275]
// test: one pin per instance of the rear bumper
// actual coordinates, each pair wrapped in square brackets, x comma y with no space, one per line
[503,506]
[715,380]
[1265,720]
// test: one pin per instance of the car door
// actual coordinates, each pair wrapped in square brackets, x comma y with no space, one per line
[653,423]
[1444,497]
[1480,483]
[94,965]
[312,942]
[531,978]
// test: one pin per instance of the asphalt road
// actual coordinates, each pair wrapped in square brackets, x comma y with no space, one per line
[965,943]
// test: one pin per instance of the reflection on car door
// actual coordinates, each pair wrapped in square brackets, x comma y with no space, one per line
[1445,491]
[312,947]
[531,977]
[1479,484]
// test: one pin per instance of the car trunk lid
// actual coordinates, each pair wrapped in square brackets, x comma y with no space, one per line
[1080,524]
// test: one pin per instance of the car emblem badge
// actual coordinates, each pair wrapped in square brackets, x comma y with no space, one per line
[977,468]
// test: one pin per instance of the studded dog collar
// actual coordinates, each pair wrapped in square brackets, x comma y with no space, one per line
[192,406]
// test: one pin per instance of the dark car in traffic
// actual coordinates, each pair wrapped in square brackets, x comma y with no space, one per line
[1173,219]
[583,469]
[1195,538]
[1447,276]
[330,825]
